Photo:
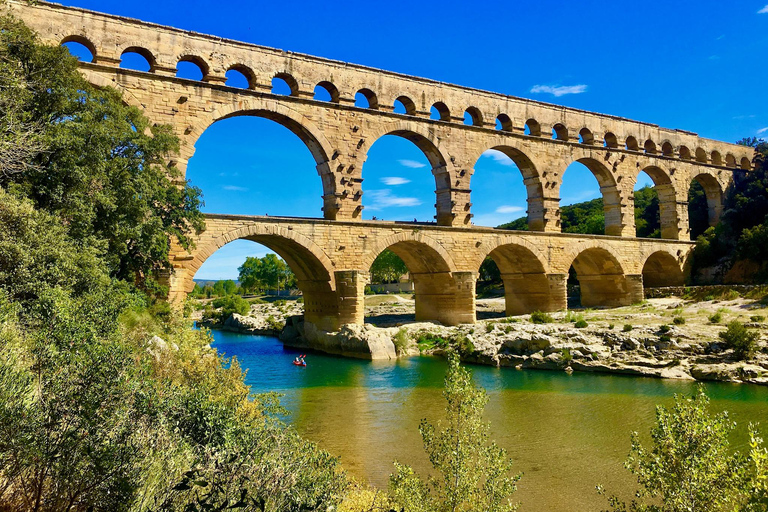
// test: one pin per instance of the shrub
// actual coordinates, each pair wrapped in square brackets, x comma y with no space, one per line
[400,340]
[666,338]
[465,347]
[538,317]
[740,339]
[367,290]
[664,328]
[611,327]
[678,320]
[627,328]
[230,304]
[566,356]
[716,318]
[757,318]
[580,324]
[489,327]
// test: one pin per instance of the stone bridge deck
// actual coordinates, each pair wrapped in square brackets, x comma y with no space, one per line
[332,259]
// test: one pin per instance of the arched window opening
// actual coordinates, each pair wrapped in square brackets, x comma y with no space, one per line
[504,123]
[610,141]
[326,91]
[746,164]
[685,153]
[80,47]
[137,59]
[532,128]
[661,269]
[701,155]
[646,199]
[586,137]
[240,77]
[404,105]
[473,117]
[192,68]
[587,193]
[249,165]
[559,132]
[439,112]
[650,147]
[284,84]
[667,149]
[398,180]
[705,204]
[365,98]
[499,180]
[717,158]
[730,160]
[632,144]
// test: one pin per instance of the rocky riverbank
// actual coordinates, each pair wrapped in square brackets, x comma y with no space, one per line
[663,338]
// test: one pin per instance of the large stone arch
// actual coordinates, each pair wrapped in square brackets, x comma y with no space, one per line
[441,294]
[662,268]
[534,184]
[523,269]
[601,275]
[423,137]
[613,203]
[668,199]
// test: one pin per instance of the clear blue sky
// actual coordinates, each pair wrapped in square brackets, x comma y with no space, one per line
[690,65]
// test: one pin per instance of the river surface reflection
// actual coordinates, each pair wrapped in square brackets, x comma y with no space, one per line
[566,433]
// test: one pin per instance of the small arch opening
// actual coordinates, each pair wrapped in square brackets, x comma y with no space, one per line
[649,147]
[730,160]
[191,67]
[661,269]
[559,132]
[326,91]
[632,144]
[717,158]
[80,48]
[586,137]
[503,123]
[404,105]
[284,84]
[473,117]
[137,59]
[610,141]
[667,149]
[240,77]
[439,112]
[366,98]
[701,155]
[685,153]
[532,128]
[596,279]
[746,164]
[705,204]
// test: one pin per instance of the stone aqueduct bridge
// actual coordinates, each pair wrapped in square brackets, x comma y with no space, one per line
[331,256]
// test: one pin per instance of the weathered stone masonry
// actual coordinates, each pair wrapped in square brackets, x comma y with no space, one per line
[332,258]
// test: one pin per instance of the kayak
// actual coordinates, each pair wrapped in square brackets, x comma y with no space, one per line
[299,364]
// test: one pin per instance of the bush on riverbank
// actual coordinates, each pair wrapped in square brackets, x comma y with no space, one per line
[742,340]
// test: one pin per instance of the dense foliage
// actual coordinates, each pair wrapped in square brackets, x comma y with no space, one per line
[742,235]
[267,273]
[468,472]
[387,268]
[690,465]
[109,401]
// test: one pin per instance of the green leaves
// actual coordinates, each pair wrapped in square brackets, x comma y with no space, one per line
[470,474]
[387,268]
[269,272]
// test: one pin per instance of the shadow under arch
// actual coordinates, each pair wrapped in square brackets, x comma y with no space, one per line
[714,194]
[313,269]
[614,222]
[319,147]
[526,284]
[441,294]
[662,269]
[665,189]
[425,141]
[602,282]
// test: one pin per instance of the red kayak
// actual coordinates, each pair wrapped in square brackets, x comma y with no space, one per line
[299,364]
[300,361]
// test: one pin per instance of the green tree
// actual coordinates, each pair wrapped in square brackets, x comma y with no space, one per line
[250,274]
[98,164]
[387,268]
[489,271]
[698,210]
[647,216]
[690,465]
[470,474]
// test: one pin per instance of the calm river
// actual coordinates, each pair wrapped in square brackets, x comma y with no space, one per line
[565,433]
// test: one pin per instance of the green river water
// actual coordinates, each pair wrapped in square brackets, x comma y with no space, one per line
[566,433]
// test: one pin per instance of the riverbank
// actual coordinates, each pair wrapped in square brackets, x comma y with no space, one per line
[669,338]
